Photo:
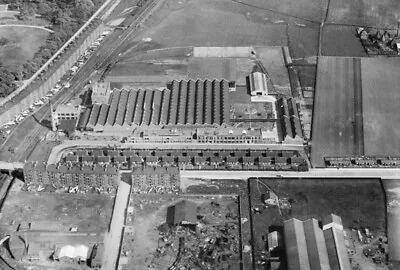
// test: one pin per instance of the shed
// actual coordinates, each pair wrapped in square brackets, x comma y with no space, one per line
[182,213]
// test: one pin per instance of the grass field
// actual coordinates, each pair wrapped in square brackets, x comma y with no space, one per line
[381,99]
[360,203]
[337,126]
[376,13]
[195,25]
[341,41]
[22,44]
[89,212]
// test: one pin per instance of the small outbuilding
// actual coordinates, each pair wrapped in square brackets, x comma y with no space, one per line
[182,213]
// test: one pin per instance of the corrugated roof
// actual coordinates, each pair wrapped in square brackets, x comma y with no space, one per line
[165,107]
[157,101]
[295,245]
[225,115]
[103,114]
[137,118]
[123,100]
[84,118]
[191,102]
[174,103]
[316,246]
[182,102]
[94,115]
[112,112]
[208,100]
[199,102]
[147,107]
[130,107]
[216,102]
[337,251]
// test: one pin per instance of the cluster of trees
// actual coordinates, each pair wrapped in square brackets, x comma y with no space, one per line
[64,16]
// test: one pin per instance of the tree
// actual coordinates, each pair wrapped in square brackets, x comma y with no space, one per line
[26,11]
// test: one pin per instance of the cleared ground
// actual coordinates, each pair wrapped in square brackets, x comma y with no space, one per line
[89,212]
[22,44]
[150,219]
[337,126]
[360,203]
[381,99]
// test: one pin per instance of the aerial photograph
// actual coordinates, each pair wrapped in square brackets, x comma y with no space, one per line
[199,134]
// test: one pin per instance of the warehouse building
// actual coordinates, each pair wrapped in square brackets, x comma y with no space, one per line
[310,247]
[258,87]
[183,213]
[228,135]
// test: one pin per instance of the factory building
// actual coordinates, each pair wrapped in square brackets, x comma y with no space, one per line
[182,103]
[310,247]
[258,87]
[64,117]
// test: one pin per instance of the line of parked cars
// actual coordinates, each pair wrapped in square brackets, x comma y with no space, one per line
[7,127]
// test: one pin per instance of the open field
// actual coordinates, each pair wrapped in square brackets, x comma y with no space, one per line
[380,107]
[89,212]
[22,45]
[376,13]
[215,214]
[360,203]
[194,25]
[337,126]
[341,41]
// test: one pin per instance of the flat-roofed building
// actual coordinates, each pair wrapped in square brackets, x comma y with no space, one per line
[65,117]
[101,93]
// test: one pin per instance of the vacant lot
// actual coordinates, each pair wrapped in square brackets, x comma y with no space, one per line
[360,203]
[22,43]
[337,123]
[89,212]
[213,213]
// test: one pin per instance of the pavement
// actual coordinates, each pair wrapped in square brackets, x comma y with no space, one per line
[113,238]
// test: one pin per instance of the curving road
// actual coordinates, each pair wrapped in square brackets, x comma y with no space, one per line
[29,26]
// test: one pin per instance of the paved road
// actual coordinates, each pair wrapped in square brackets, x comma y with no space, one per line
[112,239]
[384,173]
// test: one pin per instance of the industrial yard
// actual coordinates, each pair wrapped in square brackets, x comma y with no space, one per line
[207,237]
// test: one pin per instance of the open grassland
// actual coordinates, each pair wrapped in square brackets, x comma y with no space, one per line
[89,212]
[196,25]
[341,41]
[22,44]
[381,99]
[374,13]
[335,130]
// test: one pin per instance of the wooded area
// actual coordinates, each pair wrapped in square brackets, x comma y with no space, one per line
[64,16]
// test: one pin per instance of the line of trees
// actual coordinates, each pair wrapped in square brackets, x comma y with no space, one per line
[65,17]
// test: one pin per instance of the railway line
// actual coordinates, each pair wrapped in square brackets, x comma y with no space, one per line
[109,52]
